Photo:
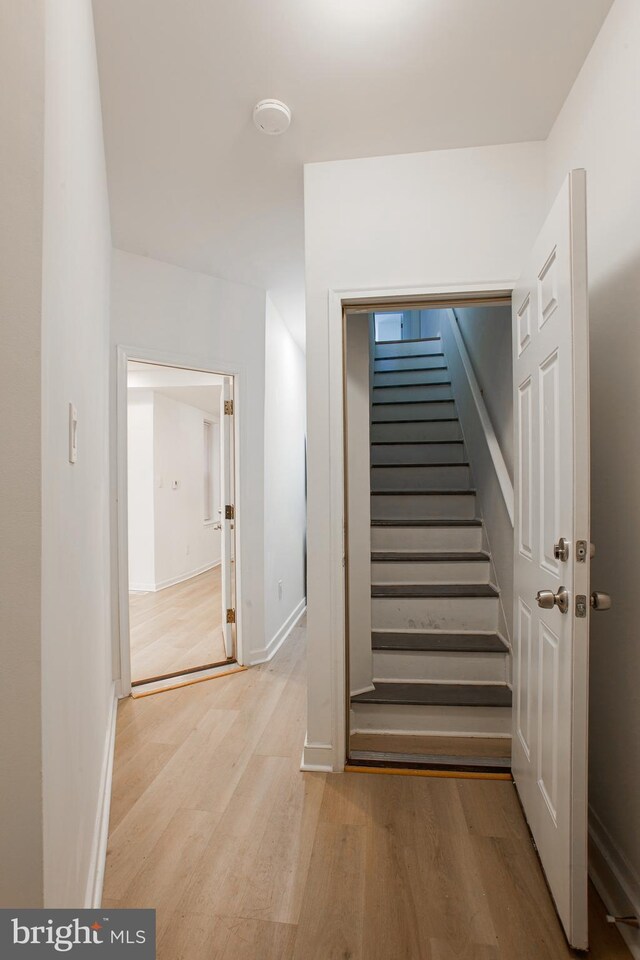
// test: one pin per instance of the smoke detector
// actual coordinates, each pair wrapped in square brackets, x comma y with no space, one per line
[271,117]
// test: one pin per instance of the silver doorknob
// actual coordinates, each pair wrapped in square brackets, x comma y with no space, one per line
[547,599]
[600,601]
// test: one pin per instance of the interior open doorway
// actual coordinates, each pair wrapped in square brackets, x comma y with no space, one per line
[181,518]
[429,418]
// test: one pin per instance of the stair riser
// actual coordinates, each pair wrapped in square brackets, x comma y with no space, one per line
[425,391]
[418,453]
[452,667]
[417,507]
[414,411]
[426,538]
[397,377]
[420,572]
[431,477]
[407,363]
[410,718]
[434,613]
[408,348]
[429,430]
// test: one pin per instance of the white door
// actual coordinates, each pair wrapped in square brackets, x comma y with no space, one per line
[227,503]
[551,404]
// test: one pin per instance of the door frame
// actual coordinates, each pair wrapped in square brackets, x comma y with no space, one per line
[338,301]
[160,358]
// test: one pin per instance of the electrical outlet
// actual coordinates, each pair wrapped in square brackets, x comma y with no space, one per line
[280,590]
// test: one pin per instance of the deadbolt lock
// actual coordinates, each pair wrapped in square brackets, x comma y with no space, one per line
[561,550]
[547,599]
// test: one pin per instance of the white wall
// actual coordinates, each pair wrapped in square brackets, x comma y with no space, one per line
[184,544]
[78,690]
[21,173]
[196,320]
[142,548]
[486,332]
[447,217]
[284,478]
[598,129]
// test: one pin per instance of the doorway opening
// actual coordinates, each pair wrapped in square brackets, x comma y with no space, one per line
[430,604]
[180,531]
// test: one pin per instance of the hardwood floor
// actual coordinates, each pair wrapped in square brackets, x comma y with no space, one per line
[246,858]
[177,628]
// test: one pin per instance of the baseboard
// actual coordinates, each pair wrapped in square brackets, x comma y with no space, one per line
[95,879]
[317,757]
[163,584]
[266,653]
[615,880]
[367,689]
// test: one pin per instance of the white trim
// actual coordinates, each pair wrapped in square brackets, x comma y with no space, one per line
[144,354]
[173,581]
[615,879]
[95,879]
[367,689]
[500,467]
[318,758]
[266,653]
[315,754]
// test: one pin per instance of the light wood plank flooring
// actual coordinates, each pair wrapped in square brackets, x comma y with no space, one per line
[246,858]
[177,628]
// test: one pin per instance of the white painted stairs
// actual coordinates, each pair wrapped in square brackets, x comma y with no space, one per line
[440,665]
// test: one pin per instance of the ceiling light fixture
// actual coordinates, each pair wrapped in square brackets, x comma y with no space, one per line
[271,117]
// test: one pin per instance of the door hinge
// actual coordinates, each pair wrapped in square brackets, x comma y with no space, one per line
[231,616]
[229,512]
[228,408]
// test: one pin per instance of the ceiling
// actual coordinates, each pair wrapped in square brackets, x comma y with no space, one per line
[193,183]
[195,388]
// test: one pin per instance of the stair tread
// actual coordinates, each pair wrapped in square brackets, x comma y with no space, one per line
[430,522]
[386,343]
[433,556]
[439,694]
[422,493]
[482,590]
[422,463]
[409,443]
[389,403]
[421,420]
[409,369]
[402,386]
[410,356]
[435,641]
[431,760]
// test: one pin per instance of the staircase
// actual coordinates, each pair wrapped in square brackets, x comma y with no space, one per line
[439,662]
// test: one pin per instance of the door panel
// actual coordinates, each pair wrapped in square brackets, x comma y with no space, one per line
[551,401]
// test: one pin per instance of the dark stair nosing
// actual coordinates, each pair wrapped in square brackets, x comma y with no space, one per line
[438,642]
[438,694]
[426,522]
[409,369]
[405,443]
[429,761]
[423,493]
[421,420]
[384,343]
[433,556]
[408,356]
[434,591]
[407,386]
[388,403]
[422,463]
